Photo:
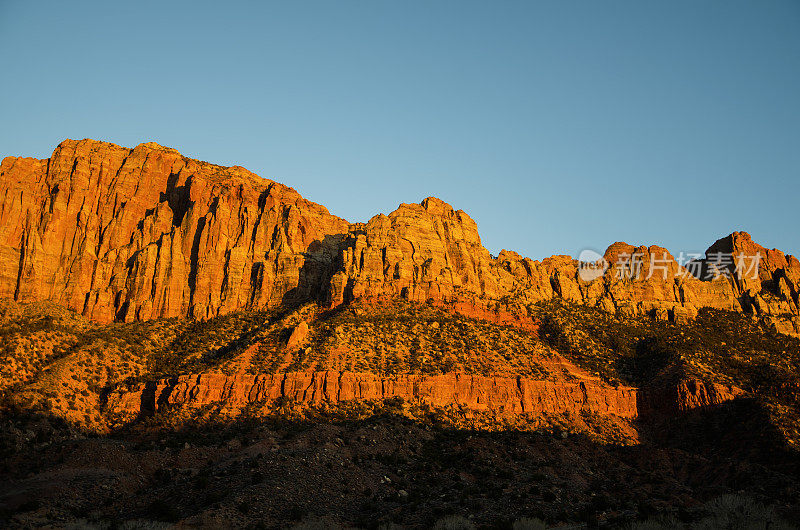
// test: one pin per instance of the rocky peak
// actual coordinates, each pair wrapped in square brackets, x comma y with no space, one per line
[154,146]
[436,206]
[419,252]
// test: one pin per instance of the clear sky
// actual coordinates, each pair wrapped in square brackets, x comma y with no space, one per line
[557,126]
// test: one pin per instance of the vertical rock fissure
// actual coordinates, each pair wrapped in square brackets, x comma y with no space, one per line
[21,267]
[193,263]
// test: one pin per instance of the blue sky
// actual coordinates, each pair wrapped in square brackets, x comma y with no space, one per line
[557,126]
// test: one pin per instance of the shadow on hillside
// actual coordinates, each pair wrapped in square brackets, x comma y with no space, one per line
[389,468]
[740,429]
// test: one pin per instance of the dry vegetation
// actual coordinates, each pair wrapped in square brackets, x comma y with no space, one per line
[390,462]
[719,346]
[56,362]
[403,337]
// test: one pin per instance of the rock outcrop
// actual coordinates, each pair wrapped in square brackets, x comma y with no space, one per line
[125,234]
[502,395]
[685,395]
[431,252]
[418,252]
[298,336]
[514,395]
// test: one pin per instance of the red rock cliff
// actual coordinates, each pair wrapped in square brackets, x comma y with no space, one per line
[125,234]
[499,394]
[504,395]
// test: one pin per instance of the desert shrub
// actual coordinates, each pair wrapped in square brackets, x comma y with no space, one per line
[738,512]
[139,524]
[82,524]
[527,523]
[732,512]
[453,522]
[663,522]
[316,523]
[729,346]
[133,524]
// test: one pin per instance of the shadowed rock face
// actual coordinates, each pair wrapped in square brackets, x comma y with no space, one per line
[125,234]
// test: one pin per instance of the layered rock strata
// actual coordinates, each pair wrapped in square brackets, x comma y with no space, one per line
[503,395]
[125,234]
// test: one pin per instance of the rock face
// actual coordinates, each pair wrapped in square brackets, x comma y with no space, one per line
[504,395]
[431,252]
[125,234]
[499,394]
[685,395]
[141,233]
[299,334]
[419,252]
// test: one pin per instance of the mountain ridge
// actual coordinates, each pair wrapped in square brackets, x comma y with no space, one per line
[133,234]
[175,333]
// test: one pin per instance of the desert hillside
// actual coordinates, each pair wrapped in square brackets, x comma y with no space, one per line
[185,343]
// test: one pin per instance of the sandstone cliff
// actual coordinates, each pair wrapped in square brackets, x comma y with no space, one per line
[502,395]
[141,233]
[125,234]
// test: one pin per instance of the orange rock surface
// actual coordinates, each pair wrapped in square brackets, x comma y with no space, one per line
[504,395]
[124,234]
[117,233]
